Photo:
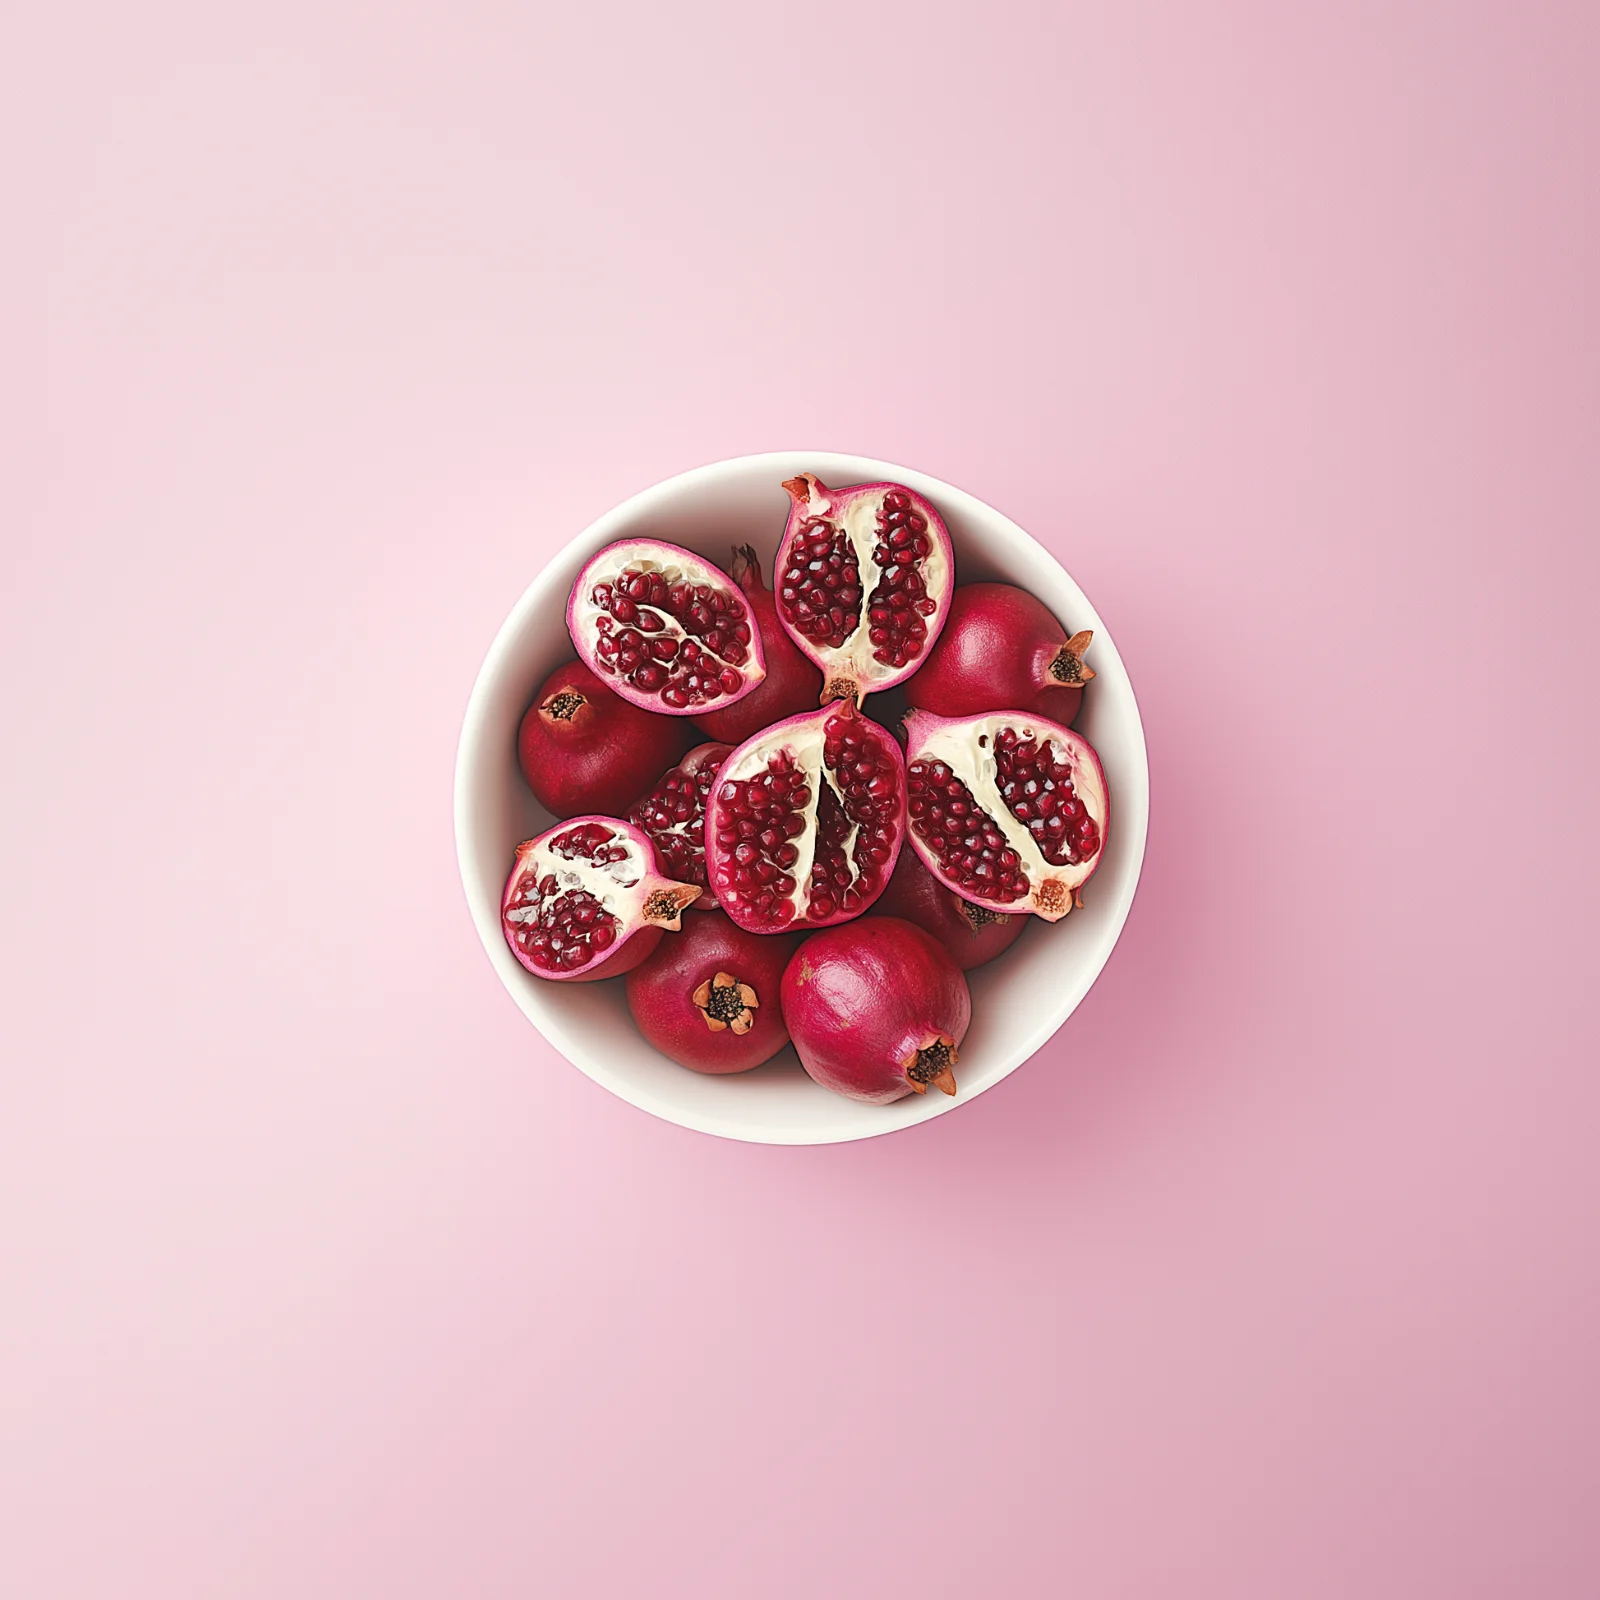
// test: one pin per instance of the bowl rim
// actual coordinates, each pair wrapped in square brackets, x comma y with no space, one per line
[484,909]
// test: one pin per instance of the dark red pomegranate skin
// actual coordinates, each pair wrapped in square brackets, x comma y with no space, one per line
[673,1010]
[584,749]
[876,1009]
[973,934]
[792,683]
[1001,650]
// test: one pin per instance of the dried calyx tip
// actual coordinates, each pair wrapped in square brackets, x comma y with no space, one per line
[663,905]
[933,1065]
[976,916]
[724,1002]
[1068,666]
[564,705]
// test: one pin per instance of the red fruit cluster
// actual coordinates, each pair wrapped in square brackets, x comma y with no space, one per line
[792,819]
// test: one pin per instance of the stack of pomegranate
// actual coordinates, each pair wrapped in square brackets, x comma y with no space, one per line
[710,755]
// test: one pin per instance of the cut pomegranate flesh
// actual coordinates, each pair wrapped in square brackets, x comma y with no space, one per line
[664,628]
[806,821]
[864,576]
[1006,809]
[674,816]
[578,895]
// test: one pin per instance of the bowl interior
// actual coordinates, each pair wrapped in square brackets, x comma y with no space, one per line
[1018,1002]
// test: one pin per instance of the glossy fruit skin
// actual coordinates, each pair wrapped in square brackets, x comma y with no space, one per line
[996,653]
[682,853]
[661,994]
[792,683]
[880,819]
[916,895]
[599,755]
[863,998]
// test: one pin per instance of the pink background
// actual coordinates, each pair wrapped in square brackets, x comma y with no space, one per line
[1275,1275]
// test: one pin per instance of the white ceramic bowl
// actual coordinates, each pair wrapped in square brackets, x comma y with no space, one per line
[1018,1002]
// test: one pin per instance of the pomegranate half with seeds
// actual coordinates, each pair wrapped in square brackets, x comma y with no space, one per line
[674,815]
[587,900]
[665,629]
[863,577]
[1008,809]
[806,820]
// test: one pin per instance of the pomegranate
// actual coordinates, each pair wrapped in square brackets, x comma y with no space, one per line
[972,933]
[1002,649]
[674,816]
[582,748]
[665,628]
[792,683]
[876,1009]
[1008,809]
[805,821]
[710,998]
[585,900]
[865,635]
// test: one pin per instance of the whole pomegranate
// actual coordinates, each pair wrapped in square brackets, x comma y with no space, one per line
[972,933]
[586,900]
[1009,808]
[665,628]
[792,683]
[877,1009]
[863,581]
[805,821]
[584,749]
[710,997]
[1002,650]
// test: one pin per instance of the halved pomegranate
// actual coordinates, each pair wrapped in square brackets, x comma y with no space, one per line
[674,815]
[806,820]
[665,628]
[586,900]
[864,576]
[1007,808]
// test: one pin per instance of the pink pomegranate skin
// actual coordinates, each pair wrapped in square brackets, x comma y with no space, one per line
[1001,649]
[584,749]
[662,995]
[973,934]
[876,1009]
[792,683]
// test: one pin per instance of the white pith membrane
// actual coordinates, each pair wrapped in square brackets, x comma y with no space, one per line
[966,746]
[803,740]
[588,621]
[856,515]
[615,882]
